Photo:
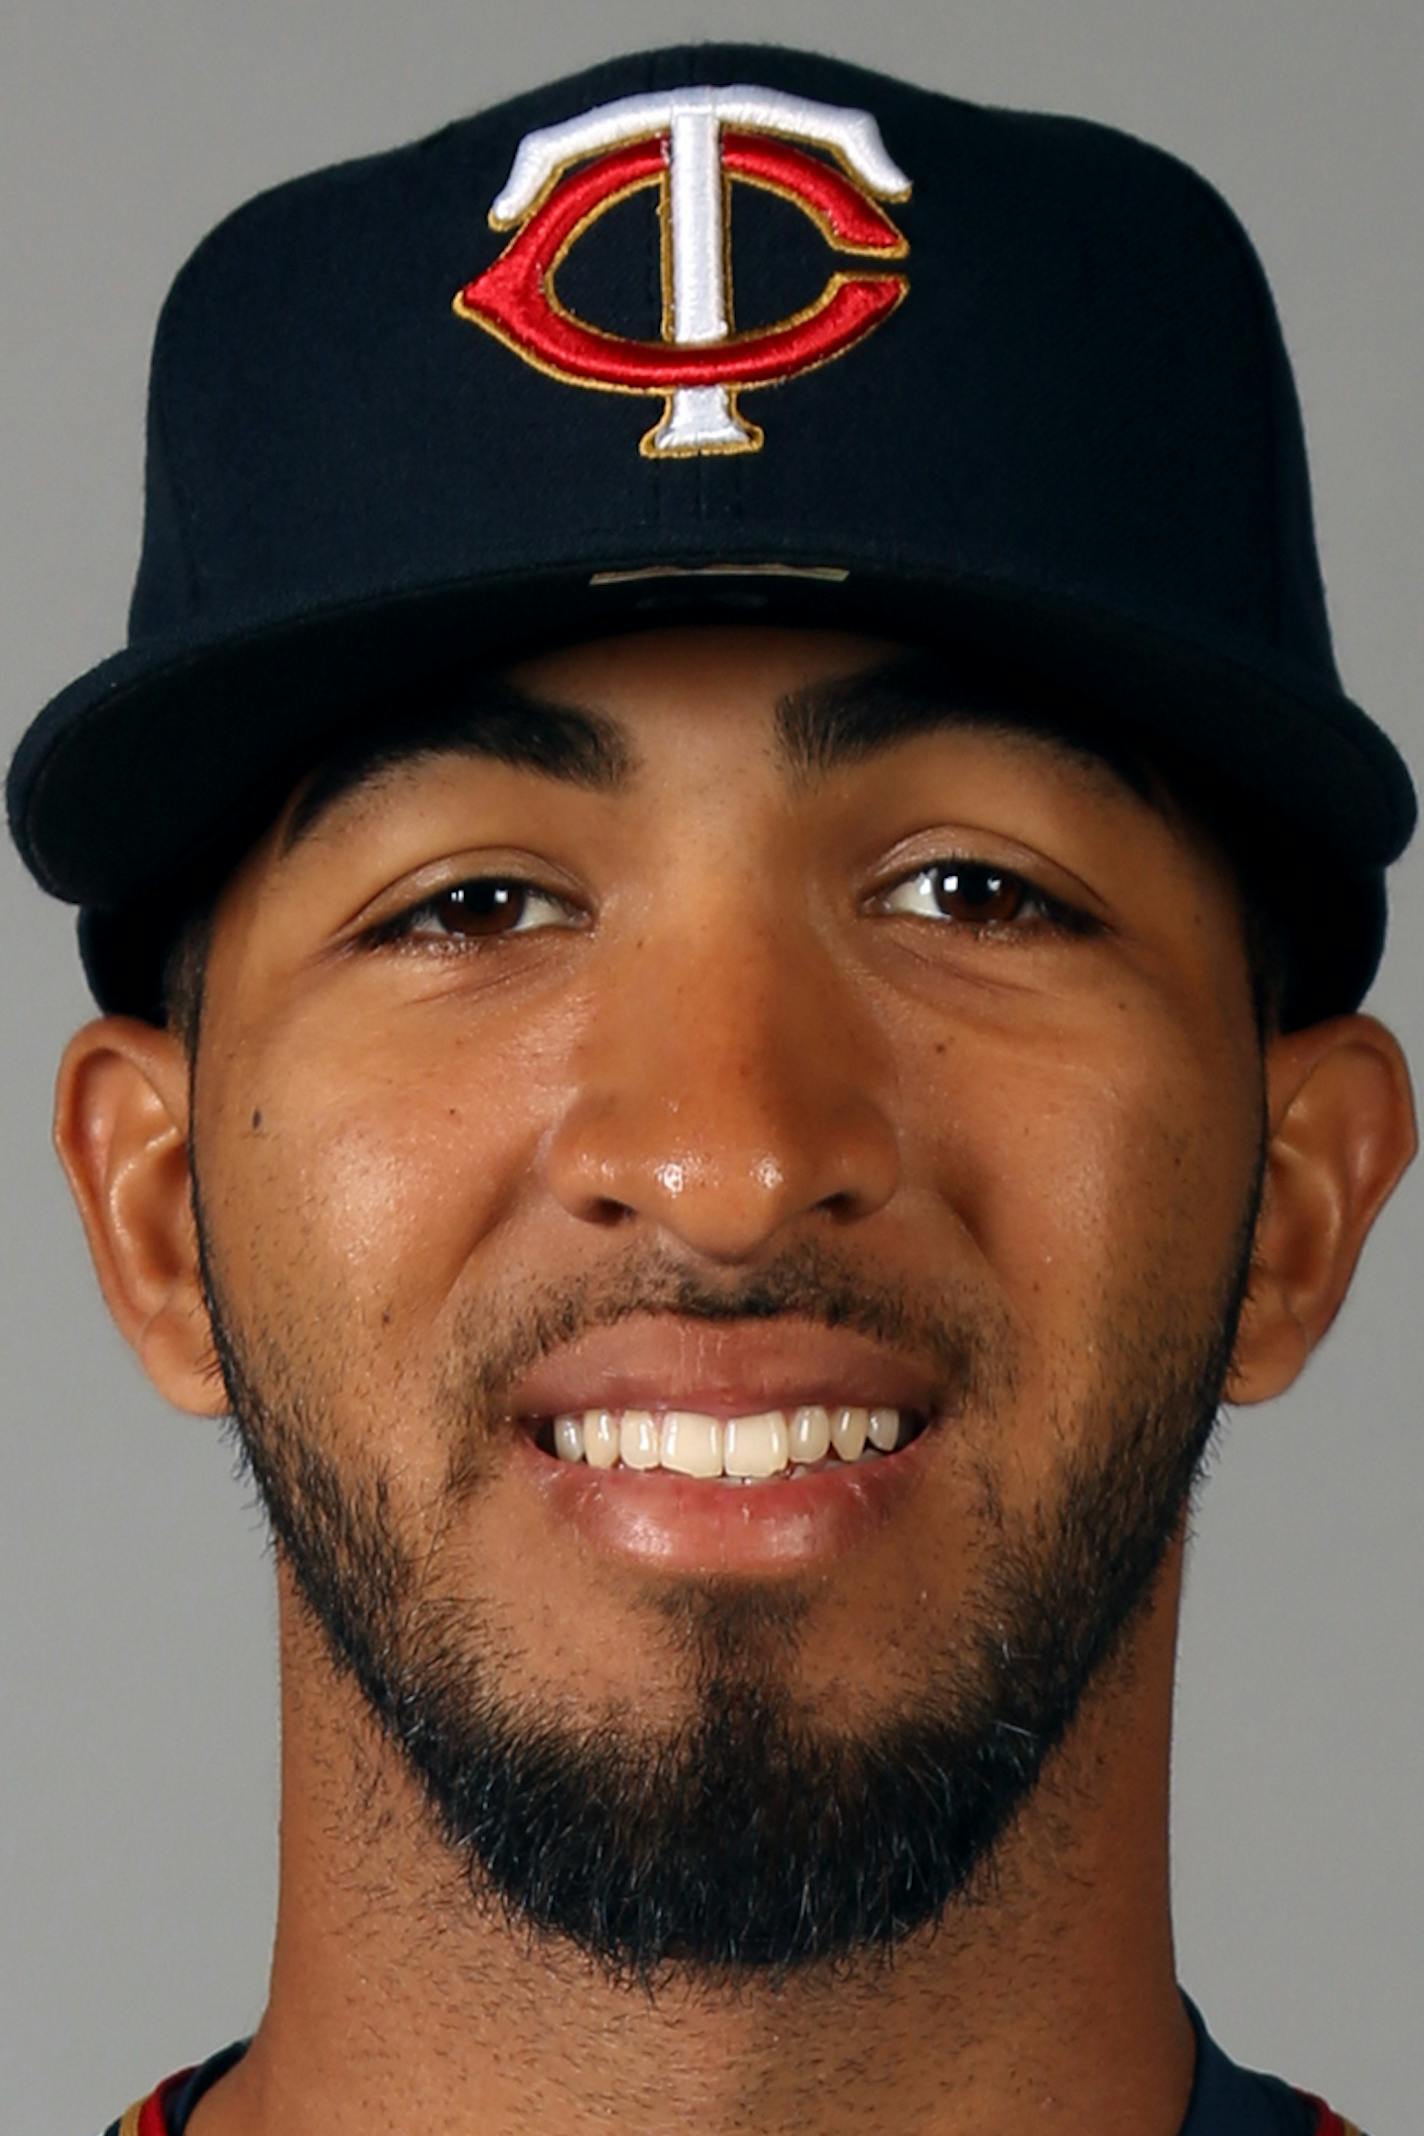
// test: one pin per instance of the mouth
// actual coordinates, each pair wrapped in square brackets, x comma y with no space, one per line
[780,1491]
[687,1445]
[767,1446]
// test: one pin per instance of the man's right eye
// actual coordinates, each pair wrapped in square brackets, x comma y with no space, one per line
[465,915]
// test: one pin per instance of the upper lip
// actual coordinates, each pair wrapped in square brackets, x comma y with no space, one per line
[671,1363]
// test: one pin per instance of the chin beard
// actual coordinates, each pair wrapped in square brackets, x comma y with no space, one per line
[745,1843]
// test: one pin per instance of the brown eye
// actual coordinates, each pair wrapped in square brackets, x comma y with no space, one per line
[479,908]
[979,898]
[968,890]
[973,892]
[483,909]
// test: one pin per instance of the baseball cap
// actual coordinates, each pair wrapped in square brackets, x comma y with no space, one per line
[718,331]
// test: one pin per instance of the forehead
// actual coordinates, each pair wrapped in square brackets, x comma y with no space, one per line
[820,703]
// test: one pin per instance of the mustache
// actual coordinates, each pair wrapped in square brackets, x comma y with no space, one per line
[968,1343]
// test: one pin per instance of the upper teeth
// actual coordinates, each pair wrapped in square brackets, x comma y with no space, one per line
[766,1444]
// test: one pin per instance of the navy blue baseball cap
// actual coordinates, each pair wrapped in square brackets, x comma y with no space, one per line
[718,331]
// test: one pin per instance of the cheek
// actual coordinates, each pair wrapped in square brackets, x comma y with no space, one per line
[354,1187]
[1102,1184]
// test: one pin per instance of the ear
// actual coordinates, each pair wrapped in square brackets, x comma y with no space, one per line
[121,1133]
[1342,1132]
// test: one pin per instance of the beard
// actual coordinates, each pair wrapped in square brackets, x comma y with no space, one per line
[749,1842]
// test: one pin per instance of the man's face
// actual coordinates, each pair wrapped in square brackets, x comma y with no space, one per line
[739,1070]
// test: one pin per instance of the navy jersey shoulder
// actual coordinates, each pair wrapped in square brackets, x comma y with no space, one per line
[1228,2100]
[167,2107]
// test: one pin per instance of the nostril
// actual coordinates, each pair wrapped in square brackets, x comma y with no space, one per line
[604,1210]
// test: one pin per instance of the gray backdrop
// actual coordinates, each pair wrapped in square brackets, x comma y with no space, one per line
[136,1622]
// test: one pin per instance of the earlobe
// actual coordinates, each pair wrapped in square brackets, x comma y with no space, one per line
[121,1134]
[1342,1133]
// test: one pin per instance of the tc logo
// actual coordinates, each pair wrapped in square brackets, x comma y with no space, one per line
[691,143]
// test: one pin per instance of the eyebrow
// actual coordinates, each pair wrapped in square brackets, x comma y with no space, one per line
[818,730]
[484,717]
[827,727]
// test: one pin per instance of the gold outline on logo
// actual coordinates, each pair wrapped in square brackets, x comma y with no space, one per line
[810,209]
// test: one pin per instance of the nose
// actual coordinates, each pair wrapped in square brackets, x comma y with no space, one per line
[727,1089]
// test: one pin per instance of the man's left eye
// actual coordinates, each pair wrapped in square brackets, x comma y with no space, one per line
[984,897]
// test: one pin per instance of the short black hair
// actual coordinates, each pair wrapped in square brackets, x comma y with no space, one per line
[185,973]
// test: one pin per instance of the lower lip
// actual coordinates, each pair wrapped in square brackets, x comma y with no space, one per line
[677,1524]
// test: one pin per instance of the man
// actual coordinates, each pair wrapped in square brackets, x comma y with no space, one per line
[729,1016]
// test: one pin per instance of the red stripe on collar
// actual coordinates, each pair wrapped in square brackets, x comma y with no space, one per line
[150,2116]
[1327,2121]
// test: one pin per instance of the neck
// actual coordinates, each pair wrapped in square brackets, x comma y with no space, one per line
[396,2001]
